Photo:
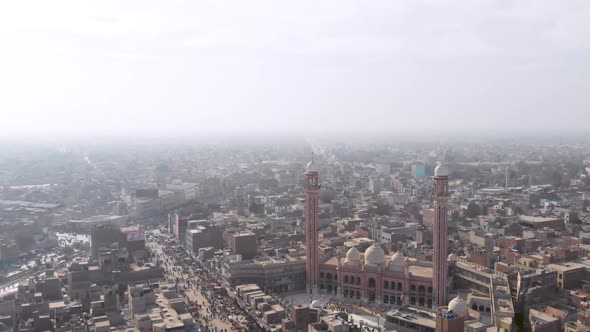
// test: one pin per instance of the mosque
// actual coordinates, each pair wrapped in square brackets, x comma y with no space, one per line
[374,276]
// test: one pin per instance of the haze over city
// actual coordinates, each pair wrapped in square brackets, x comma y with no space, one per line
[294,166]
[143,68]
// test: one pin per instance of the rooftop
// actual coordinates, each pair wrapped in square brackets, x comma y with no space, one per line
[568,266]
[537,219]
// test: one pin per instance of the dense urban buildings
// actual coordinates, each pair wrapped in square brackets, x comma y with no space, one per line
[348,241]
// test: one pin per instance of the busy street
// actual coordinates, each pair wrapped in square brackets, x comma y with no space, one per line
[209,302]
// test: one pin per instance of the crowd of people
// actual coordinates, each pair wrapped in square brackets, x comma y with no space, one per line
[210,304]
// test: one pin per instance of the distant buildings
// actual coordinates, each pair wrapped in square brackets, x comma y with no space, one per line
[419,171]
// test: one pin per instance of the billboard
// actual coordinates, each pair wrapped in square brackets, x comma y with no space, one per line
[135,235]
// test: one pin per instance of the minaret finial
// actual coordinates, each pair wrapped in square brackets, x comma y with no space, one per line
[311,165]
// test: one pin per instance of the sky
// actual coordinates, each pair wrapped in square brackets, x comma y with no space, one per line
[184,67]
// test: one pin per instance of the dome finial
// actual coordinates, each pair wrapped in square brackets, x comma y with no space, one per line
[311,167]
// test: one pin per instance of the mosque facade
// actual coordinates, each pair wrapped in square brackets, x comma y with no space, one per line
[373,276]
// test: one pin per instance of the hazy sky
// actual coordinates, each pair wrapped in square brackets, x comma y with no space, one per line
[208,66]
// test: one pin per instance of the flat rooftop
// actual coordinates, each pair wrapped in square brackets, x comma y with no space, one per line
[568,266]
[414,315]
[537,219]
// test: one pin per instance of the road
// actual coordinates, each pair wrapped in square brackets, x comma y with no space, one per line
[213,311]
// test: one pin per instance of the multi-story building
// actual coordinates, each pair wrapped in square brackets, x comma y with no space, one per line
[202,234]
[244,244]
[276,274]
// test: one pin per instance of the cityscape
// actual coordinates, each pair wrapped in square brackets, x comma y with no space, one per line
[294,166]
[297,236]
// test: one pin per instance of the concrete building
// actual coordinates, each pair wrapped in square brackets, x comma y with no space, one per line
[419,171]
[189,191]
[89,224]
[104,236]
[569,275]
[158,308]
[202,234]
[542,322]
[81,276]
[540,222]
[244,244]
[278,274]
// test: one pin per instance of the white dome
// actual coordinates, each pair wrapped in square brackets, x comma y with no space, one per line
[353,254]
[353,257]
[459,306]
[452,257]
[441,170]
[374,255]
[315,304]
[397,262]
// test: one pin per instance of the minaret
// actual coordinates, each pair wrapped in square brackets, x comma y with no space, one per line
[312,193]
[440,229]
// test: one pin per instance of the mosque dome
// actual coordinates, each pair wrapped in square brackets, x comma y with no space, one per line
[315,304]
[441,170]
[353,257]
[397,262]
[459,306]
[374,255]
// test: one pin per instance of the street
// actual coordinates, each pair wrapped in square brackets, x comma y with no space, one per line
[213,310]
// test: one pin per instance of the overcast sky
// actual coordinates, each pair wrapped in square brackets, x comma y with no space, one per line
[276,65]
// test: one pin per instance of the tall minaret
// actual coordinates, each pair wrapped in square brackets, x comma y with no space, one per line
[440,228]
[312,193]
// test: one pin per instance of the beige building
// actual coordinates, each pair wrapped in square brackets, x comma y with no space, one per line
[569,274]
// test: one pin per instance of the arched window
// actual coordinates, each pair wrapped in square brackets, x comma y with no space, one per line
[321,275]
[413,300]
[481,308]
[399,286]
[421,302]
[386,299]
[386,284]
[371,283]
[430,290]
[474,307]
[345,279]
[329,288]
[421,289]
[345,293]
[358,294]
[358,280]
